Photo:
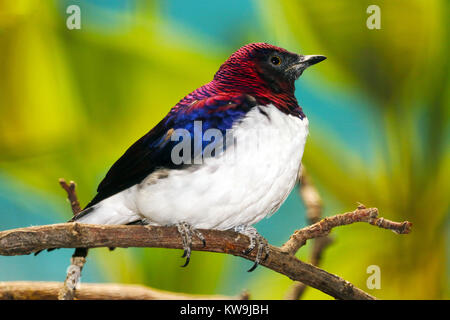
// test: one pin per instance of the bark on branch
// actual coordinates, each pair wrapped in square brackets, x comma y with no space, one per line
[323,227]
[74,235]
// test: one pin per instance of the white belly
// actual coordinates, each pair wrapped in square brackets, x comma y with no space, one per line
[251,182]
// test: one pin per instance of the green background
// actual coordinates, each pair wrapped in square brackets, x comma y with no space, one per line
[72,101]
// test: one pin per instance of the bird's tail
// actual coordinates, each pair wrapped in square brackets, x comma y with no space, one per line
[81,214]
[80,252]
[98,214]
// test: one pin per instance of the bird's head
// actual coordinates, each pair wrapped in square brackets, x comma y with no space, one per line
[261,68]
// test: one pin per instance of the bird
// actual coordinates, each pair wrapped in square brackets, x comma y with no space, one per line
[224,157]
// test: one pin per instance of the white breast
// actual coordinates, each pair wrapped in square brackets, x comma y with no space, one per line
[245,184]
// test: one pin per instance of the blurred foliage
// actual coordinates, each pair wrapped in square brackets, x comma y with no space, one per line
[403,70]
[71,101]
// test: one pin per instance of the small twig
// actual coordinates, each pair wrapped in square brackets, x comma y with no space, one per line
[71,195]
[323,227]
[73,276]
[31,290]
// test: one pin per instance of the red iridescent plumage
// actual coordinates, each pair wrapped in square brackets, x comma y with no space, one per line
[240,75]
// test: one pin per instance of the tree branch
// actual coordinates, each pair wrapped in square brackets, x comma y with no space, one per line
[72,235]
[282,260]
[36,290]
[323,227]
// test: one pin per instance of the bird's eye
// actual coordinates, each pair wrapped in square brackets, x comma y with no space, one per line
[275,60]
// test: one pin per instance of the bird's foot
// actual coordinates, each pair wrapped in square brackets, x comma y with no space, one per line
[186,232]
[255,240]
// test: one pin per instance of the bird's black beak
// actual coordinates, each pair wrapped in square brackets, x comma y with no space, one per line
[304,62]
[310,60]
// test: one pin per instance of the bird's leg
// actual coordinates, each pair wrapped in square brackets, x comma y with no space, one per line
[255,239]
[186,232]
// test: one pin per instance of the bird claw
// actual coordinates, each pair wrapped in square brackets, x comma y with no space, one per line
[256,240]
[186,232]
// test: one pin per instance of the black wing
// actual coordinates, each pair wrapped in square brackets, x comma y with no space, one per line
[150,152]
[153,150]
